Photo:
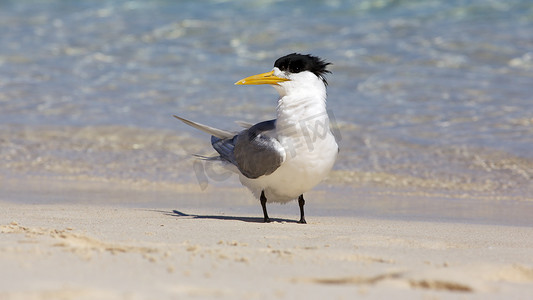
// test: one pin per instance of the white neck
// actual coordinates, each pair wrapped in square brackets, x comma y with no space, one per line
[302,100]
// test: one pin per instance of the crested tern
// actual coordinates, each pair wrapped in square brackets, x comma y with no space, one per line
[278,160]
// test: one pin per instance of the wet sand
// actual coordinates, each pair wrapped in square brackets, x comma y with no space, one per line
[102,250]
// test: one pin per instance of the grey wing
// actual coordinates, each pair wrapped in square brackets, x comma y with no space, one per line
[224,147]
[253,152]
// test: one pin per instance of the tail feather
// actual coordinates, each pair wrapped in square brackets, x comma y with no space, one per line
[203,157]
[219,133]
[244,124]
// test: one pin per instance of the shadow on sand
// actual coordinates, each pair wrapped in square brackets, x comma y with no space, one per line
[179,214]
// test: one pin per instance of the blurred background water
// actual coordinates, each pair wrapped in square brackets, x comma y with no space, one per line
[427,95]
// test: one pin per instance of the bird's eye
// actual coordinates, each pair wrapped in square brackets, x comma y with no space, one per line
[296,66]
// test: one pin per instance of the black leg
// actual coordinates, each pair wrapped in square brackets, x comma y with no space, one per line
[301,202]
[263,205]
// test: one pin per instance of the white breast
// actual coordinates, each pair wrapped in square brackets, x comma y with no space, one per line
[302,127]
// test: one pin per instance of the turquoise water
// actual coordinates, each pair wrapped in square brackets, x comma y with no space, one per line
[427,95]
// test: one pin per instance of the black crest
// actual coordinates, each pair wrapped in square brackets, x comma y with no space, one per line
[296,63]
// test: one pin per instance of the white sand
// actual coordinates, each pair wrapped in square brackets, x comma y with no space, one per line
[65,251]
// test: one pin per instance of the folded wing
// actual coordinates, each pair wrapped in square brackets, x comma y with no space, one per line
[253,151]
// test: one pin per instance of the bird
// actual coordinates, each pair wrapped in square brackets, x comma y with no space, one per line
[279,160]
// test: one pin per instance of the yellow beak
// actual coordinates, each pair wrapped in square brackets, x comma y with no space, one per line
[265,78]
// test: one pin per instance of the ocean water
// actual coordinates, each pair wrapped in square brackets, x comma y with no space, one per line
[426,96]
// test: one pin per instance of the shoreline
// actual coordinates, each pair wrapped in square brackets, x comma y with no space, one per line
[229,197]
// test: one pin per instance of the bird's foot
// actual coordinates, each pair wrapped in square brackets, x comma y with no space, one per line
[267,220]
[302,221]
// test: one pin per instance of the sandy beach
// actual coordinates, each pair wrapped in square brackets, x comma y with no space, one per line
[222,250]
